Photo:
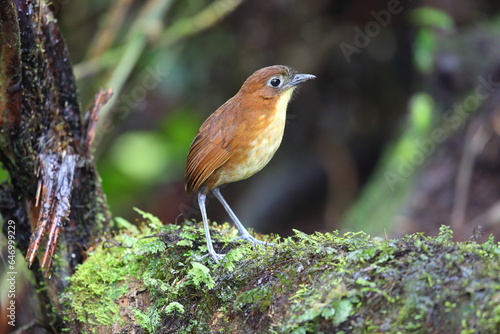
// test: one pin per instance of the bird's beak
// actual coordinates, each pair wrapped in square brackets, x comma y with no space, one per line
[299,78]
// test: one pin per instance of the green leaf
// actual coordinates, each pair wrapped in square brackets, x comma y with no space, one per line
[155,222]
[122,223]
[343,309]
[174,307]
[200,275]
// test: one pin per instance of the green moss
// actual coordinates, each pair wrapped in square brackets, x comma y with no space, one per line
[150,320]
[306,284]
[96,286]
[133,261]
[258,298]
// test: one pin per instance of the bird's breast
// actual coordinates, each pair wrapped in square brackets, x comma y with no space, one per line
[261,141]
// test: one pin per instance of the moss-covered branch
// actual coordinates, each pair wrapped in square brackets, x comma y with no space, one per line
[307,284]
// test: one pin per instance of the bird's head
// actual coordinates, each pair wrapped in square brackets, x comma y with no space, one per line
[273,82]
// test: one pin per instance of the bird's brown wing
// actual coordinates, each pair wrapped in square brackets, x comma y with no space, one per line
[206,154]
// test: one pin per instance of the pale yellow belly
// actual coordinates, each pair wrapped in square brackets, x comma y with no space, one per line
[258,153]
[255,154]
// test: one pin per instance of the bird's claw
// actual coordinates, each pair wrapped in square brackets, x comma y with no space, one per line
[248,237]
[215,256]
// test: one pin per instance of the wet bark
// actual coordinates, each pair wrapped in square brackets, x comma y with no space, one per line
[53,193]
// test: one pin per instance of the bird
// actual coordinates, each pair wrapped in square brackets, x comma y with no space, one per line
[239,139]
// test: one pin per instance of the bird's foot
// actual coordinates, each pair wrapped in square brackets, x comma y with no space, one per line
[215,256]
[248,237]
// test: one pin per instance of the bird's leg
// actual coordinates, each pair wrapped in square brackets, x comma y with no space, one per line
[201,201]
[244,234]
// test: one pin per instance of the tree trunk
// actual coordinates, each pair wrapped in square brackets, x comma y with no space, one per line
[53,196]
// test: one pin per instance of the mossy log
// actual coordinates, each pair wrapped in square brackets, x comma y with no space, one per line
[153,280]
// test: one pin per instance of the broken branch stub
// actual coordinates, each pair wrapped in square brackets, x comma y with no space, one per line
[54,189]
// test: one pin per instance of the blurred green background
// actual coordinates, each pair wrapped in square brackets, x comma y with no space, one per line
[389,74]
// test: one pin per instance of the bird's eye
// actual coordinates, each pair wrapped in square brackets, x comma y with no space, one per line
[275,82]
